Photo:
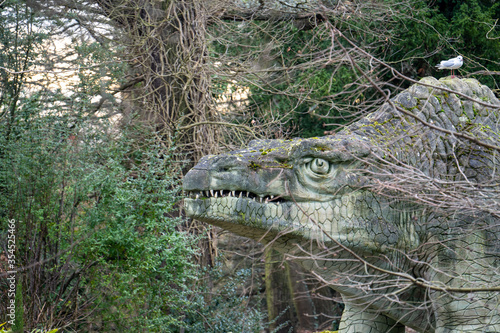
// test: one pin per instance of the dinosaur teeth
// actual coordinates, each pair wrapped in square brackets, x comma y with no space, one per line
[236,194]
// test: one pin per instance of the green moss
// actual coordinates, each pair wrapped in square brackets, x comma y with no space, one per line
[264,152]
[474,109]
[322,148]
[267,151]
[379,127]
[254,166]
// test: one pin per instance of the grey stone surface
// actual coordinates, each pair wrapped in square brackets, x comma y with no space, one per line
[370,210]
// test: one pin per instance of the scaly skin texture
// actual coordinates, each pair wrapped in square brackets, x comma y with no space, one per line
[393,259]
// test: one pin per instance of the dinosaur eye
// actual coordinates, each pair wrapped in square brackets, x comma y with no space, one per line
[319,166]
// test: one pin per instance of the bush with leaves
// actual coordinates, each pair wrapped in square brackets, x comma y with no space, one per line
[92,222]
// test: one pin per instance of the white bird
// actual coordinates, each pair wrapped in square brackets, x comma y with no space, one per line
[452,64]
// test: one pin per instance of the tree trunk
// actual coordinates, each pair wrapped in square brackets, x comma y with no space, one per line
[294,302]
[281,314]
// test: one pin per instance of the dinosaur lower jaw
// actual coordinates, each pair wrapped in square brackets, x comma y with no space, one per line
[332,221]
[266,216]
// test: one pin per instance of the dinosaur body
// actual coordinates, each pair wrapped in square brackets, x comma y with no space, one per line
[397,261]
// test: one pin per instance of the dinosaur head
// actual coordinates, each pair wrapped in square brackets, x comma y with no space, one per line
[304,188]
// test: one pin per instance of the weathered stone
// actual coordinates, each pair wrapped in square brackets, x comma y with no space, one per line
[407,100]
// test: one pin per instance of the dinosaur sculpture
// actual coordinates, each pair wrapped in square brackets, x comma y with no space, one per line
[397,216]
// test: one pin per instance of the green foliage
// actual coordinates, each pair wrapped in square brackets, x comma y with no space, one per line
[417,34]
[451,28]
[18,326]
[475,23]
[139,260]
